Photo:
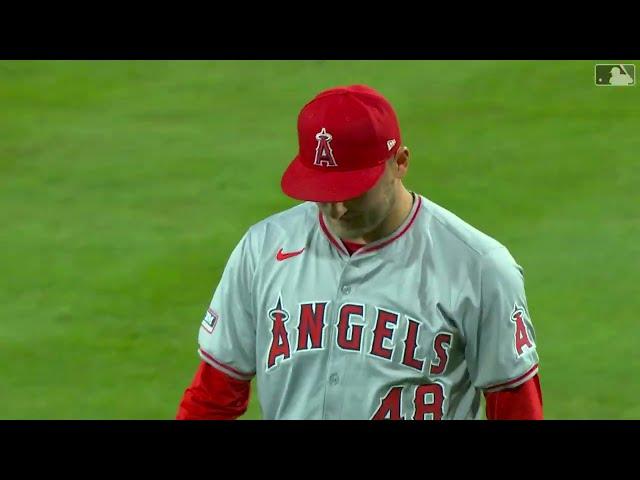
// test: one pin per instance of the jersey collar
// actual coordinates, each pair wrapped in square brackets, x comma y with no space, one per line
[380,243]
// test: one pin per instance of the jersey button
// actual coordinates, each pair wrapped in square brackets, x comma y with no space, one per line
[334,379]
[346,289]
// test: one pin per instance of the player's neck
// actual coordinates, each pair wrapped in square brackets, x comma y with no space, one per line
[398,214]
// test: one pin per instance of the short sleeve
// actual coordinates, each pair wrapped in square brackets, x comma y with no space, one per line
[227,333]
[501,350]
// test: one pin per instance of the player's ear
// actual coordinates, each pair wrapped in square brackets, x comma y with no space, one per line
[401,161]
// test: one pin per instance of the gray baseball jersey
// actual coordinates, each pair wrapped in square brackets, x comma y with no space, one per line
[412,326]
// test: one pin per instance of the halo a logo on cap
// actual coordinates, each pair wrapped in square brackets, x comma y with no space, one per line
[324,154]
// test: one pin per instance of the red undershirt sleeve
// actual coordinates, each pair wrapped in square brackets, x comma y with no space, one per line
[213,395]
[523,402]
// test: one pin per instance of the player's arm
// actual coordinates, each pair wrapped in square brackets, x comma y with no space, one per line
[226,344]
[501,349]
[523,402]
[213,395]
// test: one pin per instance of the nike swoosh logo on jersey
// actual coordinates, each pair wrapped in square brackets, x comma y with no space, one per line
[283,256]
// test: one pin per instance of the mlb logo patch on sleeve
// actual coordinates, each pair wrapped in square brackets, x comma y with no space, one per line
[210,320]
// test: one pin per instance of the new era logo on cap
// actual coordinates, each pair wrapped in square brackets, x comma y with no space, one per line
[390,144]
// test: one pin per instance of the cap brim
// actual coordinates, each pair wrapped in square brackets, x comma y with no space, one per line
[303,183]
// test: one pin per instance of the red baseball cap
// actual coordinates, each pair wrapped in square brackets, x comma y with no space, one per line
[345,137]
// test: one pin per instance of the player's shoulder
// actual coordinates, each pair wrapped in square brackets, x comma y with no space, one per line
[448,229]
[292,222]
[286,220]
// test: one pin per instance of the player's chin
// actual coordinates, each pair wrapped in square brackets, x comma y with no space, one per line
[352,231]
[352,228]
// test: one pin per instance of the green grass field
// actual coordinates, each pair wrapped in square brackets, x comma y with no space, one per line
[125,185]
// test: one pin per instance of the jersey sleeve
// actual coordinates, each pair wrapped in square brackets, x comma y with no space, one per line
[227,334]
[501,350]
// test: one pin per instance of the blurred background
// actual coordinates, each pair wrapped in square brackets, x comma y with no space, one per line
[124,186]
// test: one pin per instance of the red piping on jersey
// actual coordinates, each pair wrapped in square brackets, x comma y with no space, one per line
[506,384]
[375,247]
[328,233]
[384,244]
[220,364]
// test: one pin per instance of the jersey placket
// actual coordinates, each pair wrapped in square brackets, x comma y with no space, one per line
[334,381]
[336,359]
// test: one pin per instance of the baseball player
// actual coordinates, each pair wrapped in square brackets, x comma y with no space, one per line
[366,300]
